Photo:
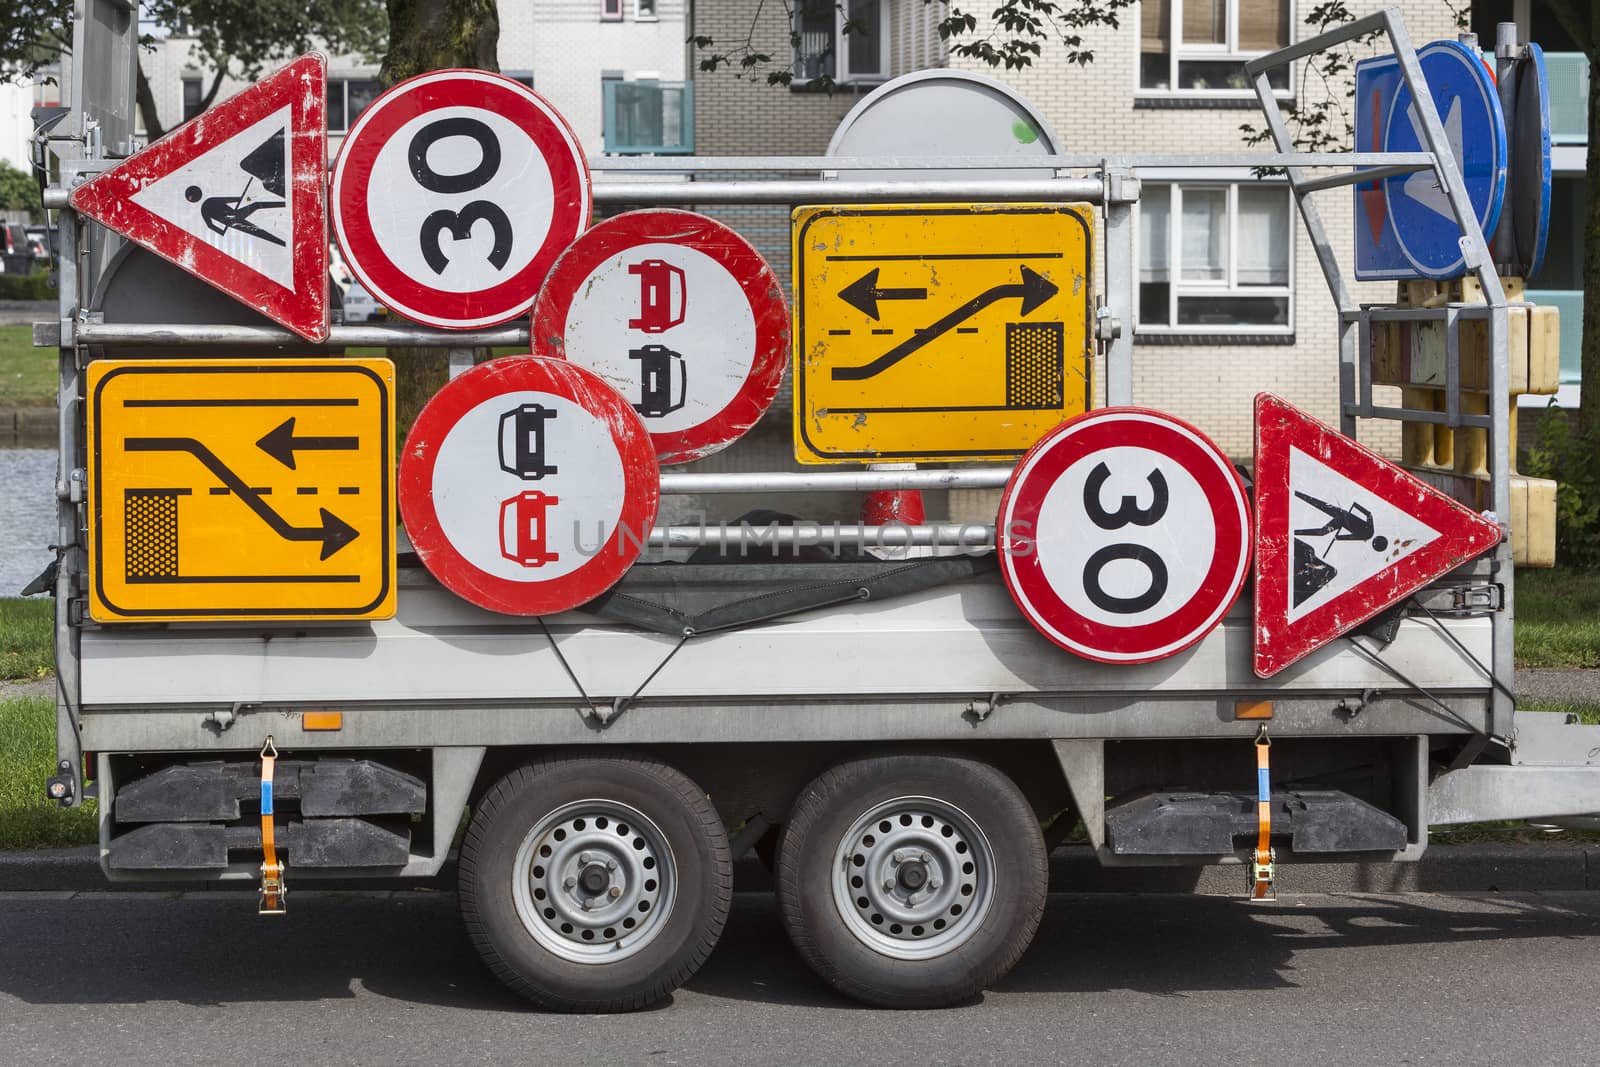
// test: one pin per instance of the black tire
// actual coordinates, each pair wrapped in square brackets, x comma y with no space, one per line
[840,934]
[692,882]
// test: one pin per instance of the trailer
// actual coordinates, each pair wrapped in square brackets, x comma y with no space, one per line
[887,731]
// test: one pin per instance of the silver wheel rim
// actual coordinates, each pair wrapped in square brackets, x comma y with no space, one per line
[594,881]
[913,878]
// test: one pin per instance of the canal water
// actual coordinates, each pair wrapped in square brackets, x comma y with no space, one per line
[27,515]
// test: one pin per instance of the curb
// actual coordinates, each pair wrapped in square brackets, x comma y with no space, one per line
[1073,869]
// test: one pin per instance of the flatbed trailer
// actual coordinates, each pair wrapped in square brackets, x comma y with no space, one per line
[890,734]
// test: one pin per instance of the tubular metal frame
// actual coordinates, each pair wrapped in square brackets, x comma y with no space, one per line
[1355,350]
[1111,182]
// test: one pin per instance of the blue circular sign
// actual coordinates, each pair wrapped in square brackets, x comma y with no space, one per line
[1469,107]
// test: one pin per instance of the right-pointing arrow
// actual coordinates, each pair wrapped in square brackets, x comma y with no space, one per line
[334,533]
[864,293]
[1034,289]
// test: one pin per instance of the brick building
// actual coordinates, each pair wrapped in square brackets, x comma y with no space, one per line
[1231,300]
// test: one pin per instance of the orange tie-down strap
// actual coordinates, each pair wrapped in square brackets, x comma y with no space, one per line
[272,888]
[1262,870]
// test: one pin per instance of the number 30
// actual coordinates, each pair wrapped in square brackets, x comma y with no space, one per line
[1128,513]
[459,223]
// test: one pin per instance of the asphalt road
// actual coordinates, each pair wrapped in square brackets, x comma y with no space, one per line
[136,978]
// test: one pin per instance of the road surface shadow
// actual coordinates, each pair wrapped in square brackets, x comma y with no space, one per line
[130,948]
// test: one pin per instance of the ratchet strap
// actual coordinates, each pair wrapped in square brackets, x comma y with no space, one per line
[1263,869]
[272,888]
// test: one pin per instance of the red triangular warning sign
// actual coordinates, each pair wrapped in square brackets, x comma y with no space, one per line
[237,197]
[1341,534]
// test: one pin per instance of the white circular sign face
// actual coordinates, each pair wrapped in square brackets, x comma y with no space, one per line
[622,354]
[582,478]
[1124,535]
[454,194]
[1116,591]
[467,249]
[680,315]
[528,486]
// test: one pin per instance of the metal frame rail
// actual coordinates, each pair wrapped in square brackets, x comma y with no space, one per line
[1110,182]
[1355,321]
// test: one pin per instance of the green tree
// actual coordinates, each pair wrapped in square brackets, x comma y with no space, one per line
[33,34]
[241,38]
[18,190]
[429,35]
[1018,33]
[232,38]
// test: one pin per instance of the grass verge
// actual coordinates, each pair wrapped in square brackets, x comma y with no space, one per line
[1558,618]
[27,374]
[27,758]
[25,646]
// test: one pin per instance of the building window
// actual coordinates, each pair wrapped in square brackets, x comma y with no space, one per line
[192,96]
[845,40]
[1215,258]
[347,99]
[1199,46]
[610,10]
[647,116]
[644,10]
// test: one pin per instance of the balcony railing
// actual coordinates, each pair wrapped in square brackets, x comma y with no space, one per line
[648,117]
[1569,97]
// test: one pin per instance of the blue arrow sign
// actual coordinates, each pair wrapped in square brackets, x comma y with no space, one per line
[1404,225]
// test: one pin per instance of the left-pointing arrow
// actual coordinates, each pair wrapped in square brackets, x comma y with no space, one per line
[864,293]
[334,533]
[281,443]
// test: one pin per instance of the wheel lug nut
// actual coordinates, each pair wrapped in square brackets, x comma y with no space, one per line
[934,883]
[614,892]
[583,857]
[926,858]
[898,856]
[569,882]
[611,865]
[888,885]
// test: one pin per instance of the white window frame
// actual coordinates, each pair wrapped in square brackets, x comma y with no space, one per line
[610,10]
[1206,52]
[841,52]
[1229,286]
[341,85]
[642,15]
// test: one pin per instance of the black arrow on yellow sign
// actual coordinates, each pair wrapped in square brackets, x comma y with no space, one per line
[864,293]
[1034,289]
[281,444]
[334,533]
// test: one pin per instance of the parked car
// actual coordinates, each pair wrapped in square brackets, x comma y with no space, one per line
[16,257]
[41,242]
[358,304]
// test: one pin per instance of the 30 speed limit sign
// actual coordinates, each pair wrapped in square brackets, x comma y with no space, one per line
[453,195]
[1124,535]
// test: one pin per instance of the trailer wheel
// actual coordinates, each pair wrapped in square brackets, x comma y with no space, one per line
[912,881]
[595,884]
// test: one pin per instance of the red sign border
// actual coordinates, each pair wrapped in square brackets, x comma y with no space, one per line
[508,374]
[352,175]
[108,197]
[1038,471]
[754,276]
[1280,426]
